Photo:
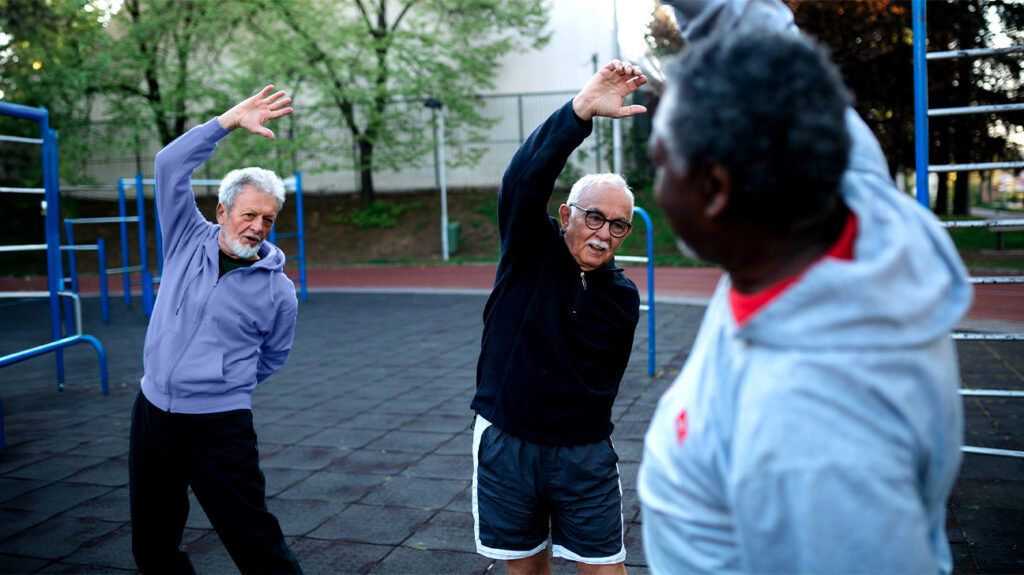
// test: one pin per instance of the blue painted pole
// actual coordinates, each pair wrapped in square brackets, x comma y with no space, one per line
[303,293]
[69,231]
[146,280]
[126,277]
[101,252]
[60,344]
[54,272]
[651,344]
[921,102]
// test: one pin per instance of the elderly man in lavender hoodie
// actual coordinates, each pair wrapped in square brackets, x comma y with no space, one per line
[223,323]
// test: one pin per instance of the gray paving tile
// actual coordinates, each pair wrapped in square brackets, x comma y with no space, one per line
[302,457]
[409,441]
[416,492]
[11,488]
[16,564]
[56,467]
[16,520]
[208,555]
[442,467]
[461,444]
[463,501]
[56,538]
[373,524]
[279,479]
[404,560]
[343,438]
[111,472]
[376,420]
[375,462]
[440,423]
[447,531]
[113,506]
[106,551]
[106,446]
[12,459]
[300,516]
[284,434]
[333,486]
[341,557]
[56,497]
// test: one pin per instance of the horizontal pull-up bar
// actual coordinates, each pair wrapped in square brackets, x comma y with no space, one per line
[976,167]
[974,53]
[21,139]
[975,110]
[23,191]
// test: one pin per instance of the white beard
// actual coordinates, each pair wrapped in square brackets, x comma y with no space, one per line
[241,250]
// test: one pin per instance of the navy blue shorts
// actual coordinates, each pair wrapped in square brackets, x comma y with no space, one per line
[524,493]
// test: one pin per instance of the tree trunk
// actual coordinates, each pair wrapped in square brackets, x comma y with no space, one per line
[962,195]
[942,195]
[366,192]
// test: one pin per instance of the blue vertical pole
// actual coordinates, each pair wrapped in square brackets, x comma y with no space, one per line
[145,278]
[101,253]
[921,102]
[157,233]
[54,273]
[126,277]
[651,347]
[301,234]
[69,231]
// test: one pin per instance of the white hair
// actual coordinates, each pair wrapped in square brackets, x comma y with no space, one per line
[606,179]
[265,181]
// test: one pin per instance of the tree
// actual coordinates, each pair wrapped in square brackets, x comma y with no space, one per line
[872,43]
[372,63]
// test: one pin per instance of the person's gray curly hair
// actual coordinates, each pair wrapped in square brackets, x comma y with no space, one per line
[235,181]
[606,179]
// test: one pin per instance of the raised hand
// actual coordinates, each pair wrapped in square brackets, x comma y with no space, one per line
[607,89]
[254,111]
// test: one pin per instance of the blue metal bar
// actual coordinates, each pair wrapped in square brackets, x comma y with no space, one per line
[55,346]
[101,249]
[303,293]
[147,280]
[920,102]
[157,232]
[55,275]
[2,440]
[651,348]
[39,115]
[69,231]
[126,279]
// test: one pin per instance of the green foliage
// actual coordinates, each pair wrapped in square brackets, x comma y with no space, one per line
[379,214]
[371,69]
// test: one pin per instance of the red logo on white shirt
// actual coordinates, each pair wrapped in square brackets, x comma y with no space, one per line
[682,427]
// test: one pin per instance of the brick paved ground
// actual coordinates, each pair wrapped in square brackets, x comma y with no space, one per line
[365,439]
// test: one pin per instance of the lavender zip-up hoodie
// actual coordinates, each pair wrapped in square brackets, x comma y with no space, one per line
[211,339]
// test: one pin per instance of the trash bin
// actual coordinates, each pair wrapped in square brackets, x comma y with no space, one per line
[453,237]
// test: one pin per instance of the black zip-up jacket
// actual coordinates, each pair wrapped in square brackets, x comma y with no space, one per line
[556,340]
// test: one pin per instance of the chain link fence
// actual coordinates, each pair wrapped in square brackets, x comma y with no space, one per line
[325,153]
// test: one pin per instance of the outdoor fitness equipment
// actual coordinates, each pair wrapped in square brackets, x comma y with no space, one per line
[921,115]
[55,278]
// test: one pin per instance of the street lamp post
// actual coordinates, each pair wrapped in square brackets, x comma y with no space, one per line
[439,161]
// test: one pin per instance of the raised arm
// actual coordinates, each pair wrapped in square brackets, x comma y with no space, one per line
[530,177]
[175,163]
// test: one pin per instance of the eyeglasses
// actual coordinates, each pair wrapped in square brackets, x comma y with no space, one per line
[595,220]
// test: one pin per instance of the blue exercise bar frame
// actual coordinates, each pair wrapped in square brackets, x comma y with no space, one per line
[55,276]
[649,260]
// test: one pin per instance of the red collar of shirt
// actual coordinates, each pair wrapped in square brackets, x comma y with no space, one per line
[744,306]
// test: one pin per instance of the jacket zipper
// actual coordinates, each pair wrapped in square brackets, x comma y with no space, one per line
[195,330]
[583,279]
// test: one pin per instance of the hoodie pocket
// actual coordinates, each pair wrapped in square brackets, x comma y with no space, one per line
[200,366]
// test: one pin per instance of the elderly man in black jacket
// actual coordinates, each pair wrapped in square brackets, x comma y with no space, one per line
[558,330]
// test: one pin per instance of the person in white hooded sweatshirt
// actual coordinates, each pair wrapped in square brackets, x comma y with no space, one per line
[816,424]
